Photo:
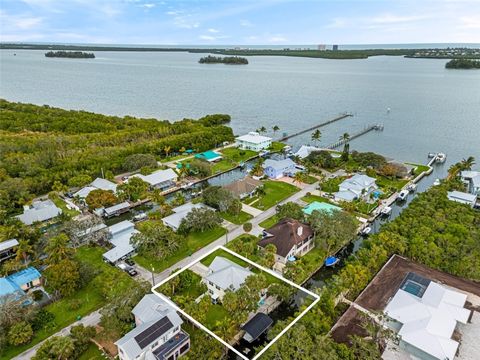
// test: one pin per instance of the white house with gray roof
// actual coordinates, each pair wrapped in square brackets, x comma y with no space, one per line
[275,169]
[157,335]
[174,220]
[253,141]
[97,184]
[39,211]
[223,275]
[161,179]
[120,236]
[359,186]
[462,197]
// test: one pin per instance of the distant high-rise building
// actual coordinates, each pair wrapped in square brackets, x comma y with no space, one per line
[335,47]
[321,47]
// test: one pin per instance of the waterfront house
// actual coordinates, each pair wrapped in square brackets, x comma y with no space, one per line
[292,239]
[276,169]
[210,156]
[253,141]
[39,211]
[359,186]
[7,249]
[20,283]
[174,220]
[223,275]
[471,179]
[120,236]
[424,314]
[462,197]
[244,188]
[97,184]
[160,179]
[256,326]
[157,335]
[116,210]
[306,150]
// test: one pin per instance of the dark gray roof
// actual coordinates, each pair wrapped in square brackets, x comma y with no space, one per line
[257,325]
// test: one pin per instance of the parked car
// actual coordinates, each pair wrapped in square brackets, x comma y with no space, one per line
[128,269]
[130,262]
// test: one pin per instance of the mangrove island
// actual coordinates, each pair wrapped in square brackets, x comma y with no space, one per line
[228,60]
[70,54]
[463,64]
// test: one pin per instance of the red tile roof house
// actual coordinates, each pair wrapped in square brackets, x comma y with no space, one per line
[292,239]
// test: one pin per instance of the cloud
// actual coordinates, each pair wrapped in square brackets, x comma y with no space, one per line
[337,23]
[148,5]
[213,31]
[470,22]
[246,23]
[395,19]
[19,22]
[277,39]
[207,37]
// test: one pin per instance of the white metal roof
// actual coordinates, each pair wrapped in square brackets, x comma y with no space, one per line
[254,138]
[121,226]
[226,274]
[83,192]
[429,321]
[179,213]
[104,184]
[279,164]
[462,196]
[306,150]
[114,208]
[39,211]
[8,244]
[158,177]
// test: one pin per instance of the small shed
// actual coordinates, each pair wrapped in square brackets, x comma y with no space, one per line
[256,326]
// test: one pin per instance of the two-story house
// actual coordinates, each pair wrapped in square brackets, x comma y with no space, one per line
[359,186]
[276,169]
[292,239]
[224,275]
[157,335]
[253,141]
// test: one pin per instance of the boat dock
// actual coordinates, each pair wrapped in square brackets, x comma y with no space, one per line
[343,116]
[367,129]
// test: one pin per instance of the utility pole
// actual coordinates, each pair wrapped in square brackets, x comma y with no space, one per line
[152,272]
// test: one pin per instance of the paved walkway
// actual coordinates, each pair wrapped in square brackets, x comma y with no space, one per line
[251,210]
[199,269]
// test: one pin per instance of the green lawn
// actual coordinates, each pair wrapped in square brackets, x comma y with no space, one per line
[331,185]
[89,299]
[195,241]
[223,165]
[92,353]
[419,168]
[275,191]
[311,198]
[238,155]
[386,183]
[268,223]
[215,313]
[208,259]
[239,219]
[62,205]
[276,146]
[309,179]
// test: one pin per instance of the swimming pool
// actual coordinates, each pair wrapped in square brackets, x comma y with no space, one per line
[320,206]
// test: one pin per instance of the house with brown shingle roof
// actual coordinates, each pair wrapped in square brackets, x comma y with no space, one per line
[244,188]
[292,239]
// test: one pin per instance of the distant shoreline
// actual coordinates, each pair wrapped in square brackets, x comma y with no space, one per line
[468,53]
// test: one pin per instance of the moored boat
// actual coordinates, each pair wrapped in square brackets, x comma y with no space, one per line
[331,261]
[366,231]
[402,196]
[412,187]
[387,210]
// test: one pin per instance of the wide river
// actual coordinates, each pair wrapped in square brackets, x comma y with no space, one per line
[431,108]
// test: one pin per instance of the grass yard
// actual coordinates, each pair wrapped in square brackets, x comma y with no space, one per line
[387,184]
[62,205]
[195,241]
[223,165]
[208,260]
[419,168]
[309,179]
[92,353]
[275,191]
[239,219]
[276,146]
[86,300]
[268,223]
[311,198]
[215,313]
[238,155]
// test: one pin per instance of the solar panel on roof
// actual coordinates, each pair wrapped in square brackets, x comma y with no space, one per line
[153,332]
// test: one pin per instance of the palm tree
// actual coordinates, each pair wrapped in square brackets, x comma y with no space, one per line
[454,170]
[466,164]
[275,129]
[167,150]
[57,249]
[298,177]
[182,150]
[316,136]
[262,130]
[24,250]
[346,147]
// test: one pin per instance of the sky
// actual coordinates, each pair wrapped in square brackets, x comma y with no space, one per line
[241,22]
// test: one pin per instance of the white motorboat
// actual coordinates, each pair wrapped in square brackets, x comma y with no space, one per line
[403,195]
[412,187]
[366,231]
[140,217]
[386,211]
[436,182]
[441,158]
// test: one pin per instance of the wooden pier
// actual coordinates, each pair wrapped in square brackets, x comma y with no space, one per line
[343,116]
[367,129]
